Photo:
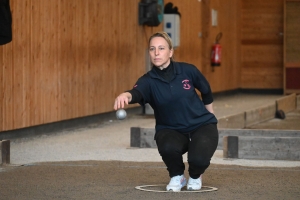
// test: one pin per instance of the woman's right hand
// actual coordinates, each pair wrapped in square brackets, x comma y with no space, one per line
[121,100]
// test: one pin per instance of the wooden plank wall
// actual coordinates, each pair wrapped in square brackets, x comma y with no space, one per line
[227,76]
[71,58]
[190,25]
[292,31]
[262,44]
[291,46]
[198,36]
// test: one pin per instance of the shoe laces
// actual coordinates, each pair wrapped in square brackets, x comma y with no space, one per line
[176,180]
[194,181]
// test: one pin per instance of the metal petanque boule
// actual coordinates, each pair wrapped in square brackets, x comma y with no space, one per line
[121,114]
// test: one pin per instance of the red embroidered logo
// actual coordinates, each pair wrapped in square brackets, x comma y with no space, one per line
[186,84]
[135,86]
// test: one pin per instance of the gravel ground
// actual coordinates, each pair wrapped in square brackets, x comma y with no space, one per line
[96,163]
[110,140]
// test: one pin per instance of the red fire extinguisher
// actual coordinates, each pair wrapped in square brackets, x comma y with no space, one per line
[216,52]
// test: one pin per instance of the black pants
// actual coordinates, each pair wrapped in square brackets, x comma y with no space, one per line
[200,146]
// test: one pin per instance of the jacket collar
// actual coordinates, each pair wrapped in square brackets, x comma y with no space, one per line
[177,70]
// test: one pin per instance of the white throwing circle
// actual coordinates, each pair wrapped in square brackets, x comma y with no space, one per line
[148,188]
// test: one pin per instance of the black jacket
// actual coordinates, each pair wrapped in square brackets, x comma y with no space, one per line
[176,104]
[5,22]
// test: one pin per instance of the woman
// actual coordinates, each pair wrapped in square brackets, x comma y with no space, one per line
[185,123]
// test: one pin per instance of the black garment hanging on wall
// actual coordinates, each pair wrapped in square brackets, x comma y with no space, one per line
[5,22]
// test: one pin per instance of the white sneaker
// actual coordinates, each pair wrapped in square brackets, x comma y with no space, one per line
[194,184]
[176,183]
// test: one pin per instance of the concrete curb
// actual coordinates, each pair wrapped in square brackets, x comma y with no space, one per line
[256,133]
[4,152]
[261,148]
[232,121]
[287,103]
[245,143]
[240,143]
[142,137]
[261,114]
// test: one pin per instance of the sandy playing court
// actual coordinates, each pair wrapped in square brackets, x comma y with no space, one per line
[96,162]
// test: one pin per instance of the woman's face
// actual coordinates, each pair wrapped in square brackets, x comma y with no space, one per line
[159,52]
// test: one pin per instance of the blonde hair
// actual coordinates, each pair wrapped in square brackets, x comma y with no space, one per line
[166,37]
